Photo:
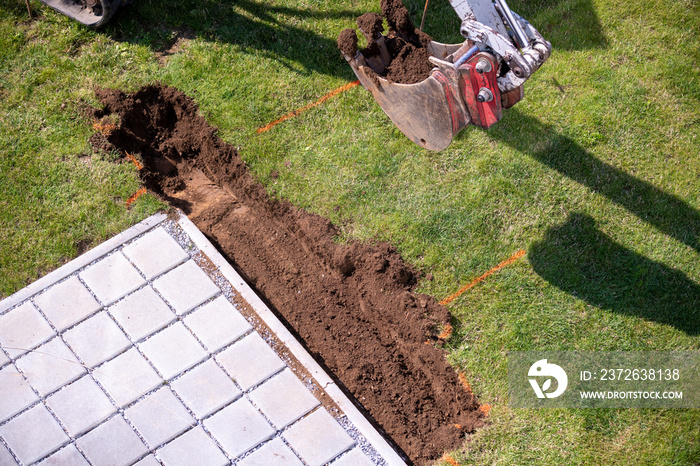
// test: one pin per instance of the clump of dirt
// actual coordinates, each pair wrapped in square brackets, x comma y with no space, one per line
[347,42]
[407,46]
[353,305]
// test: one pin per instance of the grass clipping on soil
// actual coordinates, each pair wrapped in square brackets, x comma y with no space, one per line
[407,45]
[352,304]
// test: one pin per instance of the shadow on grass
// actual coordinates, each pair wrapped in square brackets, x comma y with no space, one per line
[668,213]
[579,259]
[282,33]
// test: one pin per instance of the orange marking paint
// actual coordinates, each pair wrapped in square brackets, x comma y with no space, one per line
[483,277]
[104,128]
[334,92]
[465,382]
[134,161]
[135,196]
[446,333]
[448,459]
[485,409]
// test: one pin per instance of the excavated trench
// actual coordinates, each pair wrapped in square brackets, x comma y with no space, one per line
[353,305]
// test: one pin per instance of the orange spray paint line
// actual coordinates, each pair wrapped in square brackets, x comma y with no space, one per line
[133,160]
[334,92]
[483,277]
[135,196]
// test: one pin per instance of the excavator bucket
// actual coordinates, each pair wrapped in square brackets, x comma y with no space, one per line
[469,83]
[92,13]
[421,111]
[431,112]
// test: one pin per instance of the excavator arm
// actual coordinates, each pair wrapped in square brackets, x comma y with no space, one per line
[470,83]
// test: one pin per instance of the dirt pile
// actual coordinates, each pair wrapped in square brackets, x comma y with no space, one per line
[406,45]
[352,304]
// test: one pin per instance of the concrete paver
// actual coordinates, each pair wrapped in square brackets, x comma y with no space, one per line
[193,447]
[318,438]
[134,353]
[96,339]
[185,287]
[149,460]
[33,434]
[50,366]
[66,456]
[67,303]
[273,452]
[205,389]
[155,252]
[354,457]
[16,393]
[80,406]
[217,324]
[112,443]
[111,278]
[283,410]
[127,377]
[173,350]
[159,417]
[142,313]
[239,427]
[236,360]
[23,328]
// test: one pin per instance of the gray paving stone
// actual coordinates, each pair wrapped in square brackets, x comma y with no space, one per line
[217,323]
[239,427]
[173,350]
[318,438]
[237,361]
[6,458]
[96,339]
[142,313]
[185,287]
[66,456]
[50,366]
[67,303]
[155,252]
[113,443]
[149,460]
[3,358]
[80,406]
[273,452]
[205,389]
[16,393]
[33,434]
[159,417]
[283,399]
[354,457]
[111,278]
[23,328]
[192,448]
[127,377]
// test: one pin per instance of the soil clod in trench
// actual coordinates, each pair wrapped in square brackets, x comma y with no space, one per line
[407,46]
[353,305]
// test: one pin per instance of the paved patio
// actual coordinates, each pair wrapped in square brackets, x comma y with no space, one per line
[150,349]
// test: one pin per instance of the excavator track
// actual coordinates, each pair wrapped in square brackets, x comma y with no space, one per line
[92,13]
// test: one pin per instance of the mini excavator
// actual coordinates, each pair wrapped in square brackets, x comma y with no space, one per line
[471,83]
[92,13]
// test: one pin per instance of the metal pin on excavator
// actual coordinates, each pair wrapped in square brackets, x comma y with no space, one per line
[471,83]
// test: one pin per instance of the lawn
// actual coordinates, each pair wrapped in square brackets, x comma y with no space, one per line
[595,174]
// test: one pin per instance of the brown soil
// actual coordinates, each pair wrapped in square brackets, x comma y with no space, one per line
[406,44]
[353,304]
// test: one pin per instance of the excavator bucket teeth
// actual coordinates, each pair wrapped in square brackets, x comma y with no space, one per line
[424,111]
[92,13]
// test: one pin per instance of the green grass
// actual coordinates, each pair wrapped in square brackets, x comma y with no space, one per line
[595,174]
